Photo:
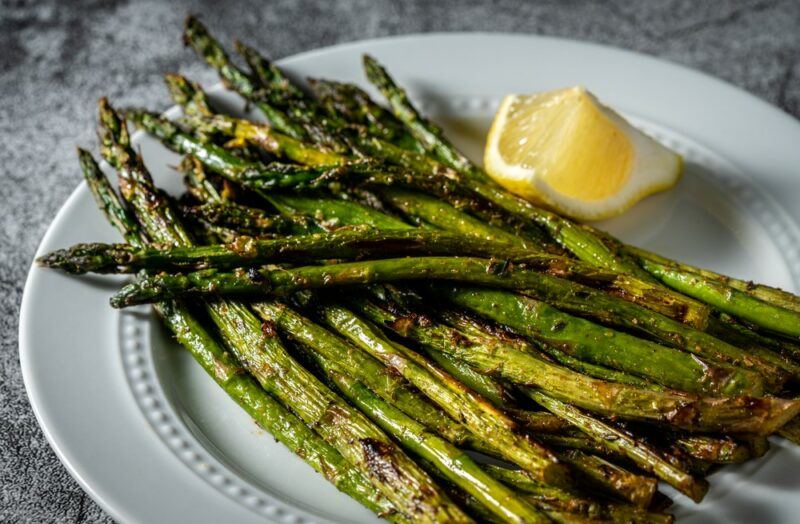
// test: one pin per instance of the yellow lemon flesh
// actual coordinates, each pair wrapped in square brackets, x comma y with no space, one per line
[565,149]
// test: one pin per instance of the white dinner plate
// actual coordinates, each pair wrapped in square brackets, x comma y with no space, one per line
[152,439]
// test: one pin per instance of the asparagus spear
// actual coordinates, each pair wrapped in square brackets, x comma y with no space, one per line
[791,431]
[611,478]
[541,322]
[350,243]
[368,449]
[568,500]
[221,367]
[576,503]
[280,92]
[196,35]
[479,328]
[356,106]
[689,412]
[488,425]
[609,437]
[585,340]
[246,220]
[640,453]
[728,299]
[718,450]
[772,295]
[450,461]
[363,444]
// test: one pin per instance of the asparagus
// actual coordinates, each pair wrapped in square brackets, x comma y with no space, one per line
[728,299]
[791,431]
[610,438]
[202,187]
[582,241]
[614,349]
[488,425]
[574,503]
[585,340]
[349,243]
[279,92]
[246,220]
[450,461]
[729,414]
[358,440]
[772,295]
[568,500]
[444,216]
[611,478]
[356,106]
[196,35]
[447,173]
[221,367]
[481,384]
[457,319]
[262,177]
[362,444]
[640,453]
[714,449]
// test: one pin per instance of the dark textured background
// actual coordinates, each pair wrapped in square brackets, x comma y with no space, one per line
[57,58]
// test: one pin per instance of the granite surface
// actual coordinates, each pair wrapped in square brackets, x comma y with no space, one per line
[57,58]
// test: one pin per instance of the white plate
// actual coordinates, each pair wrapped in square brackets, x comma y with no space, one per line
[152,439]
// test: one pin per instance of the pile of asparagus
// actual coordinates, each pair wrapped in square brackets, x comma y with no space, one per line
[473,324]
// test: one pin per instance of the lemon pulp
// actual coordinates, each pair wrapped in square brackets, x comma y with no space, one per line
[566,149]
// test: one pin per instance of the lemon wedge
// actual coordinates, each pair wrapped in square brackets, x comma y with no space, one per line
[568,151]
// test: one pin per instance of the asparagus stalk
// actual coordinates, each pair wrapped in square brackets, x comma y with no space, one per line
[728,299]
[246,220]
[196,36]
[640,453]
[725,414]
[791,431]
[568,500]
[612,479]
[769,294]
[444,216]
[355,105]
[718,450]
[221,367]
[350,243]
[362,444]
[548,350]
[451,462]
[280,92]
[487,424]
[614,349]
[574,503]
[585,340]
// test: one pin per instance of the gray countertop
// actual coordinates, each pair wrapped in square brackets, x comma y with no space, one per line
[57,58]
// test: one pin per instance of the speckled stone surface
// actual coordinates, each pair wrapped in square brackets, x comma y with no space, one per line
[57,58]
